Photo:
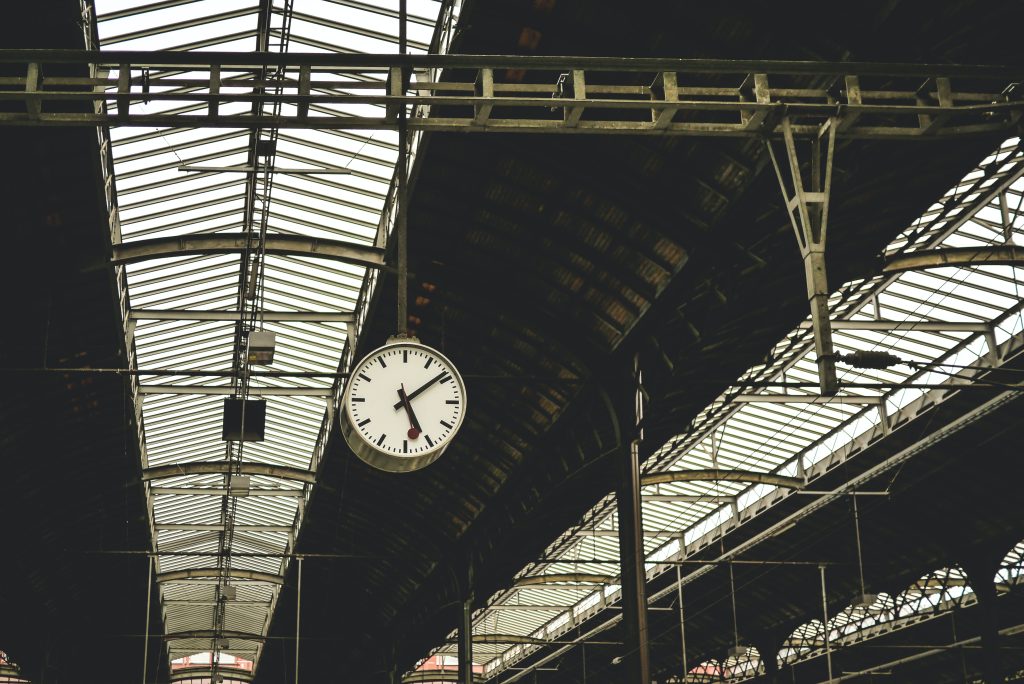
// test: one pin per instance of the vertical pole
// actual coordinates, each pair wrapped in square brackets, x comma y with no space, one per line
[682,620]
[808,213]
[631,552]
[298,619]
[860,556]
[985,591]
[402,246]
[466,641]
[145,640]
[824,612]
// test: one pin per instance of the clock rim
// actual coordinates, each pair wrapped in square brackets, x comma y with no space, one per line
[367,451]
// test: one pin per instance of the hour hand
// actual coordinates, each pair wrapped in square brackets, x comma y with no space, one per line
[415,430]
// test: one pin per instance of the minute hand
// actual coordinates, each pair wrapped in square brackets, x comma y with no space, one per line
[422,388]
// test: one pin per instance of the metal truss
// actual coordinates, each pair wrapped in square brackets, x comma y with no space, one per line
[602,95]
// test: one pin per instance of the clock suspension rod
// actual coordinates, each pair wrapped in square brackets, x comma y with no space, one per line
[401,170]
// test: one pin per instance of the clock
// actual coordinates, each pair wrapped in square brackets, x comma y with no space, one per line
[403,404]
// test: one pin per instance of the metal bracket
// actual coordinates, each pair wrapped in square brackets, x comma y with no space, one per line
[807,204]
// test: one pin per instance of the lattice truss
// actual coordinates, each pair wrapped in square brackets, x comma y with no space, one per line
[942,320]
[222,553]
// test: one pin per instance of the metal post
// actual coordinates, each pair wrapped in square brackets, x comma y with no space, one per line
[682,620]
[145,641]
[824,612]
[631,554]
[401,228]
[860,556]
[808,213]
[298,619]
[466,642]
[985,592]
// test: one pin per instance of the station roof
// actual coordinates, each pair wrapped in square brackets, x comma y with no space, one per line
[541,267]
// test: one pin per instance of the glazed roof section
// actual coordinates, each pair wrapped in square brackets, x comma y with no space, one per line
[947,318]
[180,410]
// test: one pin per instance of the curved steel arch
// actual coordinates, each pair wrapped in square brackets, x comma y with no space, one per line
[217,573]
[222,467]
[225,243]
[722,475]
[1002,255]
[213,634]
[230,674]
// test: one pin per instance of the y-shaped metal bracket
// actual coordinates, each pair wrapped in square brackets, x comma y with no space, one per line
[807,206]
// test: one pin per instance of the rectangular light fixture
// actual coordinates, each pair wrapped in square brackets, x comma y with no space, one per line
[239,485]
[260,347]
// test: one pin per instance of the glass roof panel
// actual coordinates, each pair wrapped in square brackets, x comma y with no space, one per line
[190,360]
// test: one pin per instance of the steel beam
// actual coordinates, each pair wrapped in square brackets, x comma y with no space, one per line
[226,243]
[807,205]
[219,491]
[688,498]
[266,316]
[228,391]
[218,527]
[905,326]
[201,673]
[653,534]
[212,634]
[189,602]
[601,100]
[849,399]
[276,169]
[563,578]
[218,573]
[223,467]
[1002,255]
[516,607]
[749,476]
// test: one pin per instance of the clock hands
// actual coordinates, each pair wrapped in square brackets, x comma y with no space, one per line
[415,430]
[419,390]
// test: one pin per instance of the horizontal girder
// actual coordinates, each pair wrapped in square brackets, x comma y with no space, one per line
[218,573]
[711,97]
[721,476]
[218,527]
[213,634]
[201,673]
[220,491]
[223,467]
[265,316]
[227,391]
[223,243]
[573,577]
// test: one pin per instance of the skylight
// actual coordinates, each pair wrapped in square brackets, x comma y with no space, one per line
[177,309]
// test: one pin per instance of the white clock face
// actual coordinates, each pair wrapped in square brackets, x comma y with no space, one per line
[404,402]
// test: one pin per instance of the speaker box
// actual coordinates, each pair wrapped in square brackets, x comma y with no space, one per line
[255,420]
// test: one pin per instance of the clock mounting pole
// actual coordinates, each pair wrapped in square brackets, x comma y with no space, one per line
[401,169]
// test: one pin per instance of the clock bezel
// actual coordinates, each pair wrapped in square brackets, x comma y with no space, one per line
[367,451]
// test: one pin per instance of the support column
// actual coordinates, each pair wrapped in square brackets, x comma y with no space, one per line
[768,647]
[992,664]
[807,206]
[981,565]
[298,618]
[466,631]
[636,655]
